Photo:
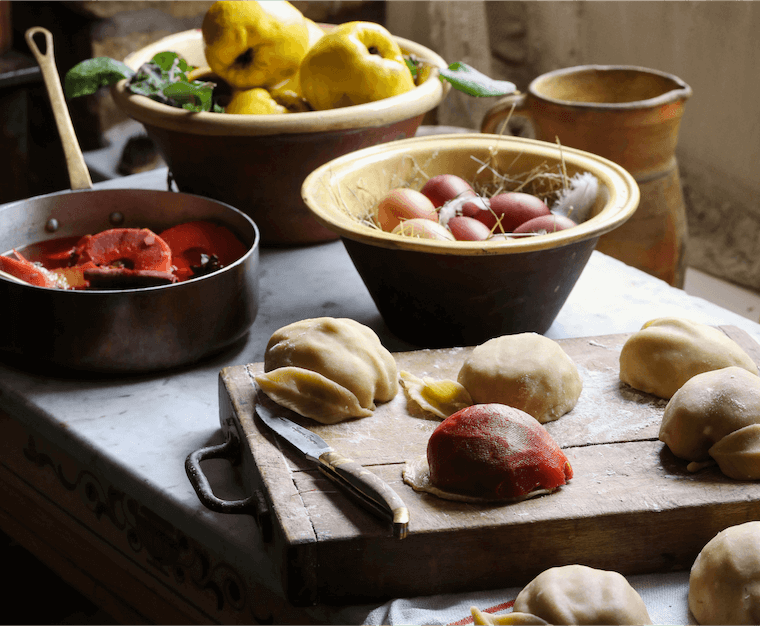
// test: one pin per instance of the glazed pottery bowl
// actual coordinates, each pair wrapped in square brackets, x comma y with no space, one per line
[441,293]
[257,163]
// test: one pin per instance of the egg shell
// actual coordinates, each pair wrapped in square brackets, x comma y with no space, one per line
[546,223]
[468,229]
[445,187]
[424,229]
[402,204]
[512,209]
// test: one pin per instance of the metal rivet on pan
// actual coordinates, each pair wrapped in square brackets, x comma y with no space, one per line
[116,218]
[51,225]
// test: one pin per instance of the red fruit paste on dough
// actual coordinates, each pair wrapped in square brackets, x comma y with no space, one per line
[495,451]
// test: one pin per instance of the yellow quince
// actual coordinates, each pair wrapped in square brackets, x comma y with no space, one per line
[260,101]
[356,63]
[256,101]
[255,44]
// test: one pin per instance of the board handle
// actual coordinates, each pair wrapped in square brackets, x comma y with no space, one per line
[254,504]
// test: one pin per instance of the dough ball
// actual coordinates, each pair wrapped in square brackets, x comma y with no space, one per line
[708,407]
[527,371]
[724,584]
[328,369]
[668,351]
[495,451]
[576,594]
[738,454]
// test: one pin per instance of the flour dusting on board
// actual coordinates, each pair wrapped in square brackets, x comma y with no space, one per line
[608,410]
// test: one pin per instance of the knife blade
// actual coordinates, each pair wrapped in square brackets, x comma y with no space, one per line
[370,490]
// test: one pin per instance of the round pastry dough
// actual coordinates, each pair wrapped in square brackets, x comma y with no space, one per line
[416,474]
[577,594]
[707,408]
[668,351]
[526,371]
[328,369]
[495,451]
[724,584]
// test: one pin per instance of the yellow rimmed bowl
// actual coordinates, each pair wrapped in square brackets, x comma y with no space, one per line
[443,294]
[257,163]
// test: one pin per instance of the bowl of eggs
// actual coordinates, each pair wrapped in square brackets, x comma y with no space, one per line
[462,238]
[257,162]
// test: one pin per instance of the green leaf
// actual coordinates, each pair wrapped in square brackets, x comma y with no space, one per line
[470,81]
[195,96]
[413,66]
[87,77]
[165,60]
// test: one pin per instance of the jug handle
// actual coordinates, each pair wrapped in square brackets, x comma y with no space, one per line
[508,107]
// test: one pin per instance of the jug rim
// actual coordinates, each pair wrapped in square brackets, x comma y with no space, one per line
[680,92]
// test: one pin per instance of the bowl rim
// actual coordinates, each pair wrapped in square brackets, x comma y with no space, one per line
[418,101]
[679,91]
[622,187]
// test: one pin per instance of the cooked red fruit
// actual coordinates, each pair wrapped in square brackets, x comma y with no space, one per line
[130,248]
[439,189]
[545,224]
[495,451]
[190,240]
[26,271]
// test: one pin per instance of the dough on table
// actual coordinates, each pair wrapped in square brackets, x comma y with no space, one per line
[716,415]
[668,351]
[328,369]
[441,397]
[724,584]
[527,371]
[575,594]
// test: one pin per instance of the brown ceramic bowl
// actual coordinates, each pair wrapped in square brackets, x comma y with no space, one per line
[443,294]
[257,163]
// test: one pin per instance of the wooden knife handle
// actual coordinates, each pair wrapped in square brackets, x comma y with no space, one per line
[370,487]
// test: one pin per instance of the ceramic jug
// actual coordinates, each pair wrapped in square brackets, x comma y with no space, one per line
[629,115]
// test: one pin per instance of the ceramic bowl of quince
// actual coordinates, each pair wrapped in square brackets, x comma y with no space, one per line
[281,120]
[425,222]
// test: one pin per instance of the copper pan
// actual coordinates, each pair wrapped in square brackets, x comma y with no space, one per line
[118,330]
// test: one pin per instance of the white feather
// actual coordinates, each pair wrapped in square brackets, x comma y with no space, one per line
[453,207]
[576,200]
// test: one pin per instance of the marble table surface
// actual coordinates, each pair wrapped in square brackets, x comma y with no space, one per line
[137,431]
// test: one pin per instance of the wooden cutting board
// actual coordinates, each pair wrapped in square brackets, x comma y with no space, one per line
[631,505]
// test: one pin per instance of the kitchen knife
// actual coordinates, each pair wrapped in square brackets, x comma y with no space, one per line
[371,491]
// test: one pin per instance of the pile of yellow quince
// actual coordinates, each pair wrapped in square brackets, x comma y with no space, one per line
[276,60]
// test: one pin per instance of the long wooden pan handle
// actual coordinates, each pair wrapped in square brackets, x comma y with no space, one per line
[79,175]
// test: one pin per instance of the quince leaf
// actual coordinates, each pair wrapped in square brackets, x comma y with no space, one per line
[171,60]
[87,77]
[472,82]
[195,96]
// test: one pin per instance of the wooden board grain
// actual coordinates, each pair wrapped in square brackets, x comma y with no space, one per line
[631,506]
